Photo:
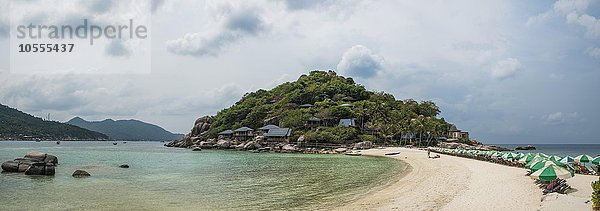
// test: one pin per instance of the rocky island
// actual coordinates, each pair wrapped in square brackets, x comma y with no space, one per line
[321,112]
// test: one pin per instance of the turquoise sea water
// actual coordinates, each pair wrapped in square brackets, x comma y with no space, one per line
[163,178]
[561,149]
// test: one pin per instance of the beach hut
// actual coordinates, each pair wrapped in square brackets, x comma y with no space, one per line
[243,133]
[313,122]
[226,133]
[263,130]
[278,135]
[347,122]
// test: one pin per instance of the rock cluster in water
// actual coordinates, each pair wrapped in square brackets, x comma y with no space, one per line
[528,147]
[34,163]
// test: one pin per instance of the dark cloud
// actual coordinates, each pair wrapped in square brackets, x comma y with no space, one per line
[116,48]
[236,23]
[245,21]
[361,62]
[156,4]
[100,6]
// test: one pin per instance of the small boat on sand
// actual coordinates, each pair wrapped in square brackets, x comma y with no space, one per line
[392,153]
[353,153]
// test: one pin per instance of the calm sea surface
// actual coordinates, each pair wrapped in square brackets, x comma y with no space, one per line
[562,149]
[161,178]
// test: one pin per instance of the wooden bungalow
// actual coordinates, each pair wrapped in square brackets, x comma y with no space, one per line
[278,135]
[265,129]
[347,122]
[313,122]
[243,133]
[226,134]
[454,134]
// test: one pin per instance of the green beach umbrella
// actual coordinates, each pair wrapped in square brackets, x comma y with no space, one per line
[567,159]
[551,173]
[541,164]
[535,160]
[543,155]
[596,160]
[554,158]
[526,158]
[509,155]
[583,159]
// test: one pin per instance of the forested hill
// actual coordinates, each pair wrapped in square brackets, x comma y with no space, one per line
[330,97]
[127,129]
[16,125]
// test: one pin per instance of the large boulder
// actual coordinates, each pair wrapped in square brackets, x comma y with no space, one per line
[80,174]
[224,144]
[200,127]
[40,169]
[289,148]
[33,163]
[206,145]
[240,146]
[252,145]
[10,166]
[37,156]
[42,157]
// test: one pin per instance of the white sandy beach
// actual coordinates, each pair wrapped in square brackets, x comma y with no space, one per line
[454,183]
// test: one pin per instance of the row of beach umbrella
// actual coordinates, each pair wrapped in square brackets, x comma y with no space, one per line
[544,167]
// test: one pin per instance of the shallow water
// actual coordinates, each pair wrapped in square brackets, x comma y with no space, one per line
[162,178]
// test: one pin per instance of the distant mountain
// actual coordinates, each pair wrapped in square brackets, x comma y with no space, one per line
[16,125]
[126,129]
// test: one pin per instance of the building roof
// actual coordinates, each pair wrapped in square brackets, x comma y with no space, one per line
[453,128]
[347,122]
[243,129]
[314,119]
[279,132]
[306,105]
[226,132]
[268,127]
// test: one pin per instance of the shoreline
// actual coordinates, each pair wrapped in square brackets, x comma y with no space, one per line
[455,183]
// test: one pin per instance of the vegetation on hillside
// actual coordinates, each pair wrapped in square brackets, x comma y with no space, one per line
[333,97]
[15,124]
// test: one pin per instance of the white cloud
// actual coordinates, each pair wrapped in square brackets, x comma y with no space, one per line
[235,21]
[574,13]
[594,52]
[506,68]
[360,61]
[590,23]
[560,118]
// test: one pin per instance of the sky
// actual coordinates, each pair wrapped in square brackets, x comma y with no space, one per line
[506,71]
